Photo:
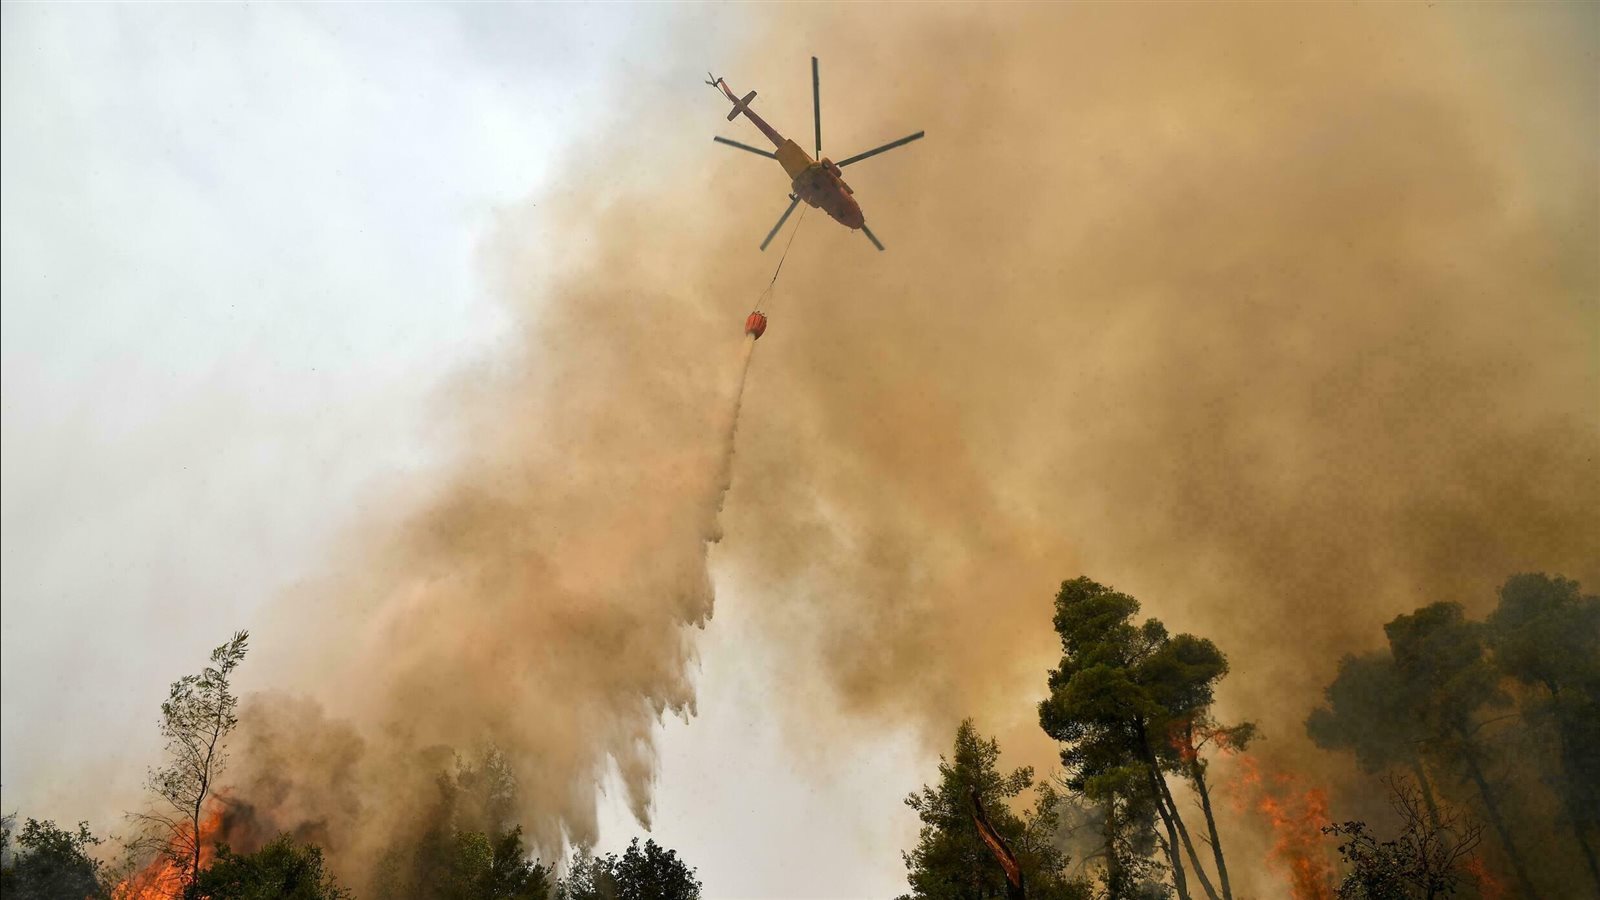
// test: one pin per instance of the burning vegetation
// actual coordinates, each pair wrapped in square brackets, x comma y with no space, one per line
[1474,729]
[1294,815]
[1131,705]
[177,863]
[1122,682]
[1318,355]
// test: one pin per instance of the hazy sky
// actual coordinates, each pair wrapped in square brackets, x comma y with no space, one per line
[238,254]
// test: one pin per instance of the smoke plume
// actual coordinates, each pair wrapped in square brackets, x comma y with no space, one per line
[538,604]
[1282,319]
[1261,315]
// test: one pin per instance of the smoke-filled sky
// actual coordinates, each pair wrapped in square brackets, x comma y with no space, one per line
[401,336]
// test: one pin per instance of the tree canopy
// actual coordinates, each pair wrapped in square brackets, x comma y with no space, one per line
[465,848]
[49,862]
[1545,633]
[651,872]
[951,860]
[1436,703]
[1129,703]
[1368,714]
[281,870]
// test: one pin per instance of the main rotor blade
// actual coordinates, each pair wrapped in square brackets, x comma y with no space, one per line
[816,104]
[884,149]
[781,219]
[871,237]
[756,150]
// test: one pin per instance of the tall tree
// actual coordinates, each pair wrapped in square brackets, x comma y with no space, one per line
[1190,737]
[464,847]
[1183,675]
[953,862]
[1127,850]
[1448,678]
[651,872]
[1545,633]
[1369,713]
[1126,702]
[1100,713]
[198,715]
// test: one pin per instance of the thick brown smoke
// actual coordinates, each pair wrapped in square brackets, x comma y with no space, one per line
[1282,319]
[539,603]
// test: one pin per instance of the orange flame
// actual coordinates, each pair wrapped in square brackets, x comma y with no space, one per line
[1181,738]
[162,879]
[1296,814]
[1186,738]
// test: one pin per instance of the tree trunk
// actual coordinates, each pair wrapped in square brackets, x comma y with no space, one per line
[1016,888]
[1575,805]
[1493,807]
[1576,817]
[1199,776]
[194,833]
[1114,869]
[1427,791]
[1159,794]
[1179,882]
[1183,831]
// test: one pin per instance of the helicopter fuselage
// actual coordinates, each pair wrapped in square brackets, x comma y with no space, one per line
[817,182]
[820,184]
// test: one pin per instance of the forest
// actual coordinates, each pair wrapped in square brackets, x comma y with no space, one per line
[1482,736]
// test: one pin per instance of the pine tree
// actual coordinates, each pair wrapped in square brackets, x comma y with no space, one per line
[951,860]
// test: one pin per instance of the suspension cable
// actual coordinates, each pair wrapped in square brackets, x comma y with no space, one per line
[768,295]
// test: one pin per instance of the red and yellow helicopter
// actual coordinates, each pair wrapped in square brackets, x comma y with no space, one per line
[816,181]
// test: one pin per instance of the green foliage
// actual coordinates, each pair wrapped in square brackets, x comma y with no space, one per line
[462,849]
[1128,846]
[482,867]
[199,713]
[951,862]
[1130,702]
[1444,671]
[648,873]
[1375,867]
[1426,858]
[465,865]
[1422,697]
[49,862]
[1123,692]
[1448,679]
[1546,634]
[1099,708]
[1369,713]
[511,875]
[281,870]
[1431,704]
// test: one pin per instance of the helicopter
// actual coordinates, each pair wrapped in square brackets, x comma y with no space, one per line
[818,181]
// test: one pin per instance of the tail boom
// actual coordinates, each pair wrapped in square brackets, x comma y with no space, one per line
[742,105]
